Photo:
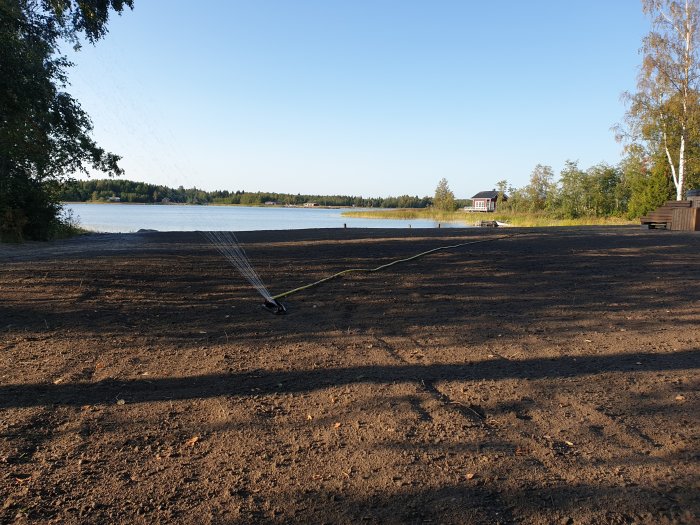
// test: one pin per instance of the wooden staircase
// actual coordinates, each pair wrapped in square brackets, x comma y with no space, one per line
[674,215]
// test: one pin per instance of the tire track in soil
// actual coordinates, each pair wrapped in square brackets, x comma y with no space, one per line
[24,441]
[449,463]
[602,436]
[472,413]
[556,454]
[628,436]
[484,501]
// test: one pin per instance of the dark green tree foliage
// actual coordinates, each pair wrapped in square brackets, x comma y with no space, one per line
[599,191]
[571,198]
[540,190]
[444,199]
[502,188]
[44,133]
[605,192]
[103,190]
[646,181]
[514,196]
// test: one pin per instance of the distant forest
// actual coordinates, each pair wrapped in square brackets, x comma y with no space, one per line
[106,190]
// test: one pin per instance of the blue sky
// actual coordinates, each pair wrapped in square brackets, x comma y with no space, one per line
[362,97]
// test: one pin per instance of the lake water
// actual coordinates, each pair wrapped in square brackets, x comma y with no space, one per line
[125,218]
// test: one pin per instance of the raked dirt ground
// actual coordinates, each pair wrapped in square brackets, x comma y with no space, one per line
[545,376]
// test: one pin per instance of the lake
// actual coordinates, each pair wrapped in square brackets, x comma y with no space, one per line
[125,218]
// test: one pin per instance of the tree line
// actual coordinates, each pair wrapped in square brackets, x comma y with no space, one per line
[105,190]
[632,188]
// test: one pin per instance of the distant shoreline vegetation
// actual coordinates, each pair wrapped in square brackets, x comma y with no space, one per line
[511,218]
[126,191]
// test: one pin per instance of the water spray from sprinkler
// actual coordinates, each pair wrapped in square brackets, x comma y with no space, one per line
[228,245]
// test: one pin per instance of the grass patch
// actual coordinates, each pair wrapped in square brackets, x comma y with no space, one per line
[473,218]
[65,231]
[67,225]
[408,213]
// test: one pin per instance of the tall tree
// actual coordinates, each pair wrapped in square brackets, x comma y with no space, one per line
[502,188]
[604,196]
[444,198]
[45,136]
[664,110]
[539,191]
[572,190]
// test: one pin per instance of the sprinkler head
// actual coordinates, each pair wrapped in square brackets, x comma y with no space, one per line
[275,307]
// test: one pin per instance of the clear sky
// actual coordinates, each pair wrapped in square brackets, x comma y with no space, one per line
[361,97]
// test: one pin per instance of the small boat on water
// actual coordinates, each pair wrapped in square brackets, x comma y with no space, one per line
[492,224]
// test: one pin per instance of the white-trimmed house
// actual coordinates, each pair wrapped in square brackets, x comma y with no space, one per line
[484,201]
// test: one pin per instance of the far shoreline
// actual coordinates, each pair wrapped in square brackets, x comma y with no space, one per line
[266,206]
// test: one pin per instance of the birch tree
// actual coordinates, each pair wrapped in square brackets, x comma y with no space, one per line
[540,189]
[663,111]
[444,199]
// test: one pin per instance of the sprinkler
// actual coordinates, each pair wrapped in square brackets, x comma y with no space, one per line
[274,306]
[228,245]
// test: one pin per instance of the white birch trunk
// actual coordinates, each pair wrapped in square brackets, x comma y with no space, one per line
[687,62]
[681,168]
[669,157]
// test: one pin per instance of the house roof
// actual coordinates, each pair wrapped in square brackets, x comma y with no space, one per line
[486,195]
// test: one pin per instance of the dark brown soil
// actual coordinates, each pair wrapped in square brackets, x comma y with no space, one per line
[547,377]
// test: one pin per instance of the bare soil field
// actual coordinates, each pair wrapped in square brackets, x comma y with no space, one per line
[545,376]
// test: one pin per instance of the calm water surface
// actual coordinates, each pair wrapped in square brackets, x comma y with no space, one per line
[125,218]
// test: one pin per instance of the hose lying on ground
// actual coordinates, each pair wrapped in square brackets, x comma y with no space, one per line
[387,265]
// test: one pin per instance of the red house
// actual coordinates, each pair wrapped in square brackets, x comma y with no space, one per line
[484,201]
